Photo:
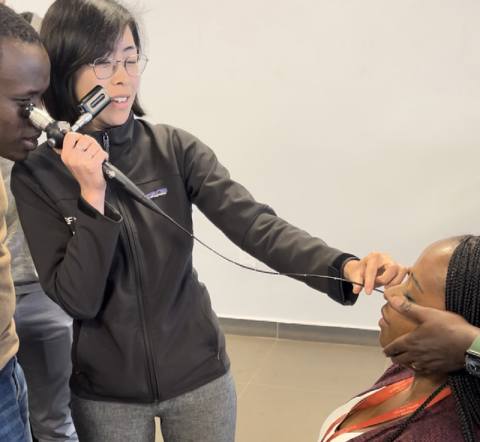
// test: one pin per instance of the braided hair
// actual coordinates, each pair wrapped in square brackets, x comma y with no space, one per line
[462,296]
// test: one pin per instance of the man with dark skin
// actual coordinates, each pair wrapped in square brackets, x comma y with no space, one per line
[43,328]
[439,342]
[24,76]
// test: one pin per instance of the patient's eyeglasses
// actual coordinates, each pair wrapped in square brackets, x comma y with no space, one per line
[105,67]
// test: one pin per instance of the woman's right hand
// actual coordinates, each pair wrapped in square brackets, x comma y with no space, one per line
[84,157]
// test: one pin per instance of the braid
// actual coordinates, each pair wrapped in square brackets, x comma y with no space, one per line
[413,416]
[462,296]
[464,409]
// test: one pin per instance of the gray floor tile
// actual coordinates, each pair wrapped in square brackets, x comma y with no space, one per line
[286,389]
[323,367]
[247,354]
[240,387]
[268,413]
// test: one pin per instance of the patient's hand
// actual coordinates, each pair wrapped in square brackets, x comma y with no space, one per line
[374,270]
[439,342]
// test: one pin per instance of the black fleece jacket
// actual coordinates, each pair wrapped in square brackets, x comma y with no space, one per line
[144,329]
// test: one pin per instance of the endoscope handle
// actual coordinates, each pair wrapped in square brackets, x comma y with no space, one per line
[113,174]
[90,106]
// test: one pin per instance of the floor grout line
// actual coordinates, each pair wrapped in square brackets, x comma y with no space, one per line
[258,368]
[257,365]
[286,387]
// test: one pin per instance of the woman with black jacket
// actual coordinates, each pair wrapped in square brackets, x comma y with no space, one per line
[146,341]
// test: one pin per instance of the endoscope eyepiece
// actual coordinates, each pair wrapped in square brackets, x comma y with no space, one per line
[38,117]
[28,110]
[90,106]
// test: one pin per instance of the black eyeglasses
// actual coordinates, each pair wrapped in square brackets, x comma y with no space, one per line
[105,67]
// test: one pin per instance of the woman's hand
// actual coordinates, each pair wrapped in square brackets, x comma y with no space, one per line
[84,157]
[374,270]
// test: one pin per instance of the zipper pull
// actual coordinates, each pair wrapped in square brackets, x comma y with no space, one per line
[106,142]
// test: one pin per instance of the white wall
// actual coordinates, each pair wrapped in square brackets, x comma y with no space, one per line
[355,120]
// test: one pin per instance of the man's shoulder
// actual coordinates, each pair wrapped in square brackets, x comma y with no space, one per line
[43,154]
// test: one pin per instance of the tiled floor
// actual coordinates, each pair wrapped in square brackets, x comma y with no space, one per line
[286,388]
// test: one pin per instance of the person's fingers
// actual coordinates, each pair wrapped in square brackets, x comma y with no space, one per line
[84,143]
[397,348]
[412,311]
[93,149]
[408,360]
[401,359]
[416,366]
[402,271]
[393,274]
[81,149]
[70,141]
[389,273]
[374,270]
[357,288]
[97,156]
[373,265]
[353,271]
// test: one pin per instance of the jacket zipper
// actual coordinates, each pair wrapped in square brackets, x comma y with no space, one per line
[133,258]
[106,142]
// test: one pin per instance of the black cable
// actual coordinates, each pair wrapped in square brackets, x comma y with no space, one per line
[148,203]
[91,105]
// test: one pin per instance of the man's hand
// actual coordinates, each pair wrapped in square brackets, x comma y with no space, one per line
[374,270]
[439,342]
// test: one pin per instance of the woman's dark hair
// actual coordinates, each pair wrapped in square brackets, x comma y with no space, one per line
[75,33]
[462,296]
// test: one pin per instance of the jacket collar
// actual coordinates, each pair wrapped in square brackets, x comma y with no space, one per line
[117,140]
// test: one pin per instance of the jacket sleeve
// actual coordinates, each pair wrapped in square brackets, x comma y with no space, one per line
[72,268]
[255,227]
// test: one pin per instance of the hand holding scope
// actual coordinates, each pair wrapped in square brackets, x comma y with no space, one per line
[90,106]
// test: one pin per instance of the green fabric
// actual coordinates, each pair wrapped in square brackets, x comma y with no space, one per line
[475,347]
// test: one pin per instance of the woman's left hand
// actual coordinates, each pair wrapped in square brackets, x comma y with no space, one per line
[374,270]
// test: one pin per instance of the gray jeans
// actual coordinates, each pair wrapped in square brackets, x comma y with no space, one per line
[206,414]
[45,333]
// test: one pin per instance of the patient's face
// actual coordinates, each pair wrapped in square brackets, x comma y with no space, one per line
[425,286]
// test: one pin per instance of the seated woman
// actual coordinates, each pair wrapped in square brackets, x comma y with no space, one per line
[407,404]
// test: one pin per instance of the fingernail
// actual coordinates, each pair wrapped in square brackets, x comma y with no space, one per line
[397,301]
